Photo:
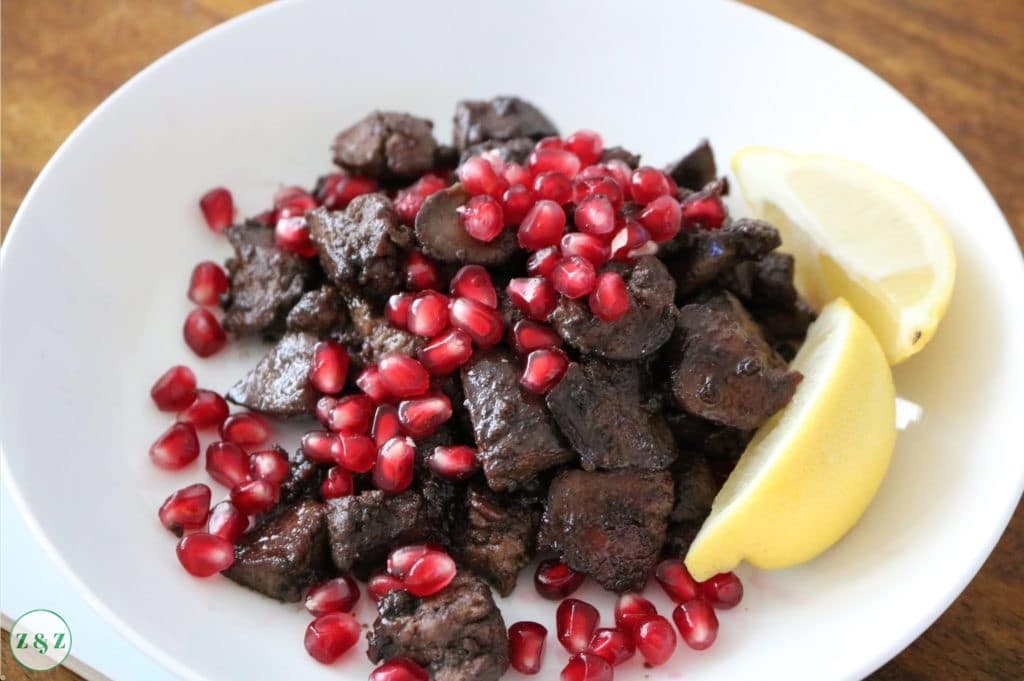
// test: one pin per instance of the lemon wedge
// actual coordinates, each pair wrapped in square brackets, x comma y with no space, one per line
[813,468]
[856,234]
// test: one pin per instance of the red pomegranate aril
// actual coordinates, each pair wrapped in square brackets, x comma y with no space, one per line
[631,609]
[421,272]
[385,424]
[270,465]
[338,190]
[392,472]
[397,310]
[543,261]
[516,203]
[587,145]
[402,375]
[255,496]
[703,210]
[609,300]
[218,208]
[723,591]
[482,218]
[428,314]
[381,584]
[227,463]
[455,463]
[245,428]
[647,184]
[596,181]
[662,218]
[329,368]
[543,226]
[697,623]
[544,160]
[292,234]
[595,215]
[575,623]
[478,177]
[266,218]
[227,522]
[203,554]
[446,353]
[554,580]
[407,206]
[356,453]
[324,406]
[369,381]
[544,369]
[473,281]
[515,173]
[177,447]
[335,595]
[550,142]
[399,669]
[676,581]
[628,240]
[331,635]
[483,324]
[655,640]
[573,276]
[614,645]
[622,174]
[553,187]
[587,246]
[289,201]
[534,296]
[587,667]
[350,415]
[185,509]
[318,446]
[423,416]
[528,336]
[207,284]
[203,333]
[207,410]
[526,646]
[431,573]
[401,559]
[337,483]
[175,389]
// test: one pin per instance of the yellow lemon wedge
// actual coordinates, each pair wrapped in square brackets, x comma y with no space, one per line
[813,468]
[859,235]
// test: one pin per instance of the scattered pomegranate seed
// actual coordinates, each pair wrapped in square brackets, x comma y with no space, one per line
[409,201]
[392,472]
[324,406]
[446,353]
[381,584]
[455,463]
[723,591]
[218,208]
[675,579]
[428,314]
[421,272]
[630,241]
[526,646]
[175,389]
[631,609]
[586,246]
[478,177]
[610,300]
[270,465]
[207,283]
[544,369]
[401,559]
[329,368]
[335,595]
[227,522]
[587,145]
[330,635]
[597,181]
[543,261]
[203,333]
[542,226]
[402,375]
[185,509]
[587,667]
[544,160]
[482,218]
[369,382]
[554,580]
[356,453]
[573,276]
[575,624]
[177,447]
[399,669]
[397,310]
[207,410]
[385,424]
[227,463]
[204,555]
[551,142]
[318,446]
[337,483]
[697,623]
[292,201]
[516,203]
[245,428]
[266,218]
[553,187]
[473,281]
[350,415]
[703,210]
[516,174]
[655,640]
[613,645]
[255,496]
[595,216]
[529,335]
[292,234]
[662,218]
[430,574]
[338,190]
[423,416]
[483,324]
[621,173]
[647,184]
[534,296]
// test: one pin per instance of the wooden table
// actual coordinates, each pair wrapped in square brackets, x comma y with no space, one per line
[962,63]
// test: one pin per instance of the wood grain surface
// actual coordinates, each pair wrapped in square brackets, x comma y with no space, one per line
[962,63]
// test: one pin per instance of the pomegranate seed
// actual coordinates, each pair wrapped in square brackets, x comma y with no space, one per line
[655,640]
[227,463]
[402,375]
[724,590]
[534,296]
[483,324]
[613,645]
[573,276]
[554,580]
[662,218]
[553,187]
[185,509]
[423,416]
[575,623]
[330,635]
[409,201]
[456,463]
[318,446]
[266,218]
[207,410]
[647,184]
[218,208]
[482,218]
[551,142]
[587,667]
[428,314]
[402,558]
[697,623]
[292,234]
[203,554]
[515,173]
[621,173]
[628,241]
[542,226]
[329,368]
[526,646]
[292,201]
[350,415]
[421,272]
[356,453]
[543,261]
[516,203]
[595,215]
[254,496]
[544,160]
[473,281]
[544,369]
[270,465]
[430,574]
[675,579]
[335,595]
[207,283]
[609,300]
[587,145]
[338,190]
[446,353]
[478,177]
[203,333]
[337,483]
[177,447]
[397,310]
[381,584]
[227,522]
[703,210]
[597,182]
[631,609]
[369,382]
[385,424]
[586,246]
[392,472]
[175,389]
[245,428]
[324,406]
[399,669]
[528,336]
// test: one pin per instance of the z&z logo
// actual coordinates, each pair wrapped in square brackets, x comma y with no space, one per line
[40,640]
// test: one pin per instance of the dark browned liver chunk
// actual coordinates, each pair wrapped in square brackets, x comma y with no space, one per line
[695,489]
[369,335]
[304,478]
[516,150]
[387,144]
[496,537]
[441,235]
[318,311]
[696,169]
[707,254]
[501,118]
[279,384]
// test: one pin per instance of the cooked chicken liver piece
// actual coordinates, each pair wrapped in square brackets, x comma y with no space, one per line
[516,150]
[766,287]
[707,254]
[696,169]
[279,383]
[713,440]
[385,145]
[318,311]
[370,336]
[304,478]
[501,118]
[441,235]
[609,525]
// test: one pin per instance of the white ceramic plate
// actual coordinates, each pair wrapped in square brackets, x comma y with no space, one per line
[96,264]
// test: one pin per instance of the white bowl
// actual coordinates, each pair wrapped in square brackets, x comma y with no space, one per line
[96,264]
